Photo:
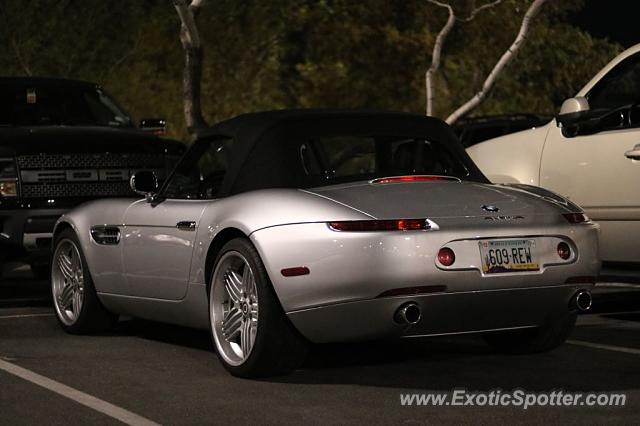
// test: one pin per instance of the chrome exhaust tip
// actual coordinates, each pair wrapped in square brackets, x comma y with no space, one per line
[408,314]
[582,300]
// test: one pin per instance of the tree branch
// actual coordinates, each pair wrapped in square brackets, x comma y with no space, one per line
[195,5]
[21,60]
[436,54]
[116,64]
[479,9]
[506,57]
[189,31]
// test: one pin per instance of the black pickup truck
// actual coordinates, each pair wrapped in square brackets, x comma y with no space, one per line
[63,142]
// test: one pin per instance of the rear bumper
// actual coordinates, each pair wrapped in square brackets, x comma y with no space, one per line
[351,267]
[445,313]
[28,232]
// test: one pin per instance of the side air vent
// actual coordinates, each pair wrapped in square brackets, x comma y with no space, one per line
[106,235]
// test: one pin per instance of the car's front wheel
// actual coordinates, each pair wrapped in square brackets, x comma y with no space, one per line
[533,340]
[252,336]
[76,303]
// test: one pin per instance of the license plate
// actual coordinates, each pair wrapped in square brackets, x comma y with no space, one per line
[502,256]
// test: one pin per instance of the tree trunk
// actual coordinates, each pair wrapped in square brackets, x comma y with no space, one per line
[190,39]
[191,89]
[436,54]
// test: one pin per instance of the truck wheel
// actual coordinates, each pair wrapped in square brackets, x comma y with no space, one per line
[76,303]
[252,335]
[541,339]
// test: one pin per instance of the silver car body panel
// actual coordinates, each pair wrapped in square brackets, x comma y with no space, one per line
[442,314]
[156,253]
[346,267]
[149,273]
[449,199]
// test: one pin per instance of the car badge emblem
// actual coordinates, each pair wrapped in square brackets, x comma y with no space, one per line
[490,208]
[494,218]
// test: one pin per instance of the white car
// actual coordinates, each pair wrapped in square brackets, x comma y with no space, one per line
[590,153]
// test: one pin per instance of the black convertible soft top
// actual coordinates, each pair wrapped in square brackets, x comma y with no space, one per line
[261,159]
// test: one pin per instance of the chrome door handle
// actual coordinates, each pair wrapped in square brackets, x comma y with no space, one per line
[634,153]
[186,225]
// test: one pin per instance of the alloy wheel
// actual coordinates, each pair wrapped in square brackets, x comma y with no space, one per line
[67,282]
[234,308]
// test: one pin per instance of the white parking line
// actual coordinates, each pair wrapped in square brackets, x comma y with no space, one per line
[25,316]
[87,400]
[605,347]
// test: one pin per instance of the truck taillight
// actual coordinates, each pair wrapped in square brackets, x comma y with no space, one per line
[8,178]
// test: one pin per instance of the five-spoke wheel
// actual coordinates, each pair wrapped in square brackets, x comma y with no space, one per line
[74,297]
[250,330]
[67,282]
[234,309]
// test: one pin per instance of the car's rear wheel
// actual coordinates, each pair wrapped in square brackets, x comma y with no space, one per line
[534,340]
[76,303]
[252,336]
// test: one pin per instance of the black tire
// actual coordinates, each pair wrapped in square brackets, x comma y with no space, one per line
[92,317]
[279,348]
[536,340]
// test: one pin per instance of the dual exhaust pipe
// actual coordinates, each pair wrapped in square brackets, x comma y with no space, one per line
[582,300]
[410,313]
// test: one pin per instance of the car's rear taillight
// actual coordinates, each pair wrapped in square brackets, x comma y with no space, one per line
[564,251]
[380,225]
[8,178]
[576,217]
[446,256]
[414,178]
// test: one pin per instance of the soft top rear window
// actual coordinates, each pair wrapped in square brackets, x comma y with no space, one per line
[346,158]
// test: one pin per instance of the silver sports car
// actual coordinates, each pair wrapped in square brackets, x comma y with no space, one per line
[282,228]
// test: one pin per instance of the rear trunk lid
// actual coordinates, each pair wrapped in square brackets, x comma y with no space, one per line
[440,199]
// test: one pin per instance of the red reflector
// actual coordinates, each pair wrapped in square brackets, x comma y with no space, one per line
[564,251]
[380,225]
[576,217]
[446,256]
[294,272]
[413,178]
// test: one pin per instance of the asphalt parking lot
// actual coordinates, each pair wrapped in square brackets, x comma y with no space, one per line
[145,371]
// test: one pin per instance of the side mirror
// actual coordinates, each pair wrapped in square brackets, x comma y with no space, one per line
[144,183]
[574,105]
[157,126]
[573,112]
